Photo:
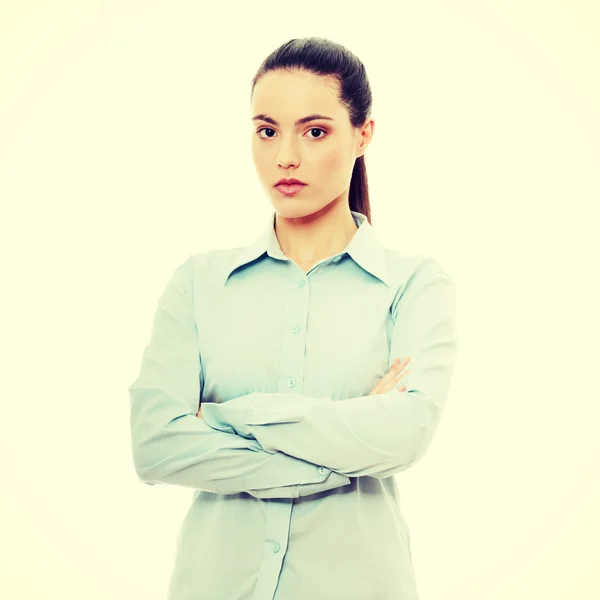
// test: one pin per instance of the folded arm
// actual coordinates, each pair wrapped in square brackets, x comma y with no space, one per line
[171,445]
[377,435]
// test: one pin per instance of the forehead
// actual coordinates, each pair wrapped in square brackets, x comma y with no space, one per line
[284,95]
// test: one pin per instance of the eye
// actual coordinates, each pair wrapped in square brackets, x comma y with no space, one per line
[318,129]
[311,129]
[263,129]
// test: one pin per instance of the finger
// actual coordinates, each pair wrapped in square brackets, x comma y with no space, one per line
[395,369]
[385,378]
[393,385]
[389,378]
[403,374]
[386,383]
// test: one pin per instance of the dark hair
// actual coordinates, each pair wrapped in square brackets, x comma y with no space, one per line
[324,57]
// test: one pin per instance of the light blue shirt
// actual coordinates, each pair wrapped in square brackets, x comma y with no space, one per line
[293,461]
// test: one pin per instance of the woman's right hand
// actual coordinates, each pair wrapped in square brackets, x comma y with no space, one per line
[392,377]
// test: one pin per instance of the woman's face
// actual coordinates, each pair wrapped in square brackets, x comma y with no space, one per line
[320,153]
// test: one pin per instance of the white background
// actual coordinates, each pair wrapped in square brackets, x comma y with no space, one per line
[125,146]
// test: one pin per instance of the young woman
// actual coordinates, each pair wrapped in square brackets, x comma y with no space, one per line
[289,344]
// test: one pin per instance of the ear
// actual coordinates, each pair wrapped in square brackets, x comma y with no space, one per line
[366,135]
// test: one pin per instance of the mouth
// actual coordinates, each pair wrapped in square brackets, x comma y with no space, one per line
[289,189]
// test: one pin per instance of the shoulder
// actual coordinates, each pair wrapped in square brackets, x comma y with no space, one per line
[215,259]
[212,265]
[407,269]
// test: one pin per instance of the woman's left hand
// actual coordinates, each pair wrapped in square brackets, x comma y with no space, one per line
[199,413]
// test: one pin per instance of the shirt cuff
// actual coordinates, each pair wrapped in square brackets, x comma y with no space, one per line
[228,416]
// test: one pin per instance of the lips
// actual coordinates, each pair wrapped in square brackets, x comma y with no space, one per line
[290,181]
[290,188]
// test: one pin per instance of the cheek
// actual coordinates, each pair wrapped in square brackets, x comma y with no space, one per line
[331,163]
[260,161]
[331,158]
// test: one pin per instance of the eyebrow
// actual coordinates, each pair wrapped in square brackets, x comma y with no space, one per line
[263,117]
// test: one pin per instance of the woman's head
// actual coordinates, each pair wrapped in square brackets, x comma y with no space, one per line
[304,77]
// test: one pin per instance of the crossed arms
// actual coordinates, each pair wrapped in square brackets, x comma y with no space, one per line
[274,445]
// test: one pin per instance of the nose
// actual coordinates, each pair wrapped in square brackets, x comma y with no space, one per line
[287,164]
[287,155]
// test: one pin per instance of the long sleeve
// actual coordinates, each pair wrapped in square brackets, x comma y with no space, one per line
[375,435]
[171,445]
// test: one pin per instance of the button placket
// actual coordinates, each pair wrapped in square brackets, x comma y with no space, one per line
[291,381]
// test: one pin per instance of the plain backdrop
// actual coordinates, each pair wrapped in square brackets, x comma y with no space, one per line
[125,146]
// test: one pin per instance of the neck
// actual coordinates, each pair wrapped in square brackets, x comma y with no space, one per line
[311,238]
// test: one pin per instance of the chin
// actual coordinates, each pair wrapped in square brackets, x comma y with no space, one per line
[294,208]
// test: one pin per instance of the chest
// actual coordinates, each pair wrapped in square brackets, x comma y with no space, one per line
[321,336]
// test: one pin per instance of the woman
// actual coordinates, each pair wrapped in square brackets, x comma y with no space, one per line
[290,345]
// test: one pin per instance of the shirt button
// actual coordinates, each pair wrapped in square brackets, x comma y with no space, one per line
[337,259]
[302,284]
[291,382]
[275,547]
[322,470]
[296,329]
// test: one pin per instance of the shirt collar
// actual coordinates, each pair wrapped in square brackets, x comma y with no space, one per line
[364,248]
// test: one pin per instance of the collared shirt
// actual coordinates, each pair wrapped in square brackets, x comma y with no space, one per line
[293,461]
